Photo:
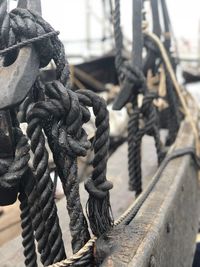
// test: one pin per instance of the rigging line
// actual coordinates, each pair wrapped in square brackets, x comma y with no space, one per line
[176,86]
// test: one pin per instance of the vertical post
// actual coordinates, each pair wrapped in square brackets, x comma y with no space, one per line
[198,45]
[104,21]
[156,18]
[34,5]
[88,20]
[137,34]
[166,25]
[7,196]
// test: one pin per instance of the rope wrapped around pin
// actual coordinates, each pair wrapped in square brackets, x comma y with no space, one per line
[22,24]
[67,112]
[133,74]
[143,120]
[132,83]
[98,187]
[60,116]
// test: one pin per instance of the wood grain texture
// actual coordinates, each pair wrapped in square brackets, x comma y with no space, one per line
[11,253]
[163,232]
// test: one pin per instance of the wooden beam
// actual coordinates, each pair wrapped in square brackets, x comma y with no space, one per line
[164,230]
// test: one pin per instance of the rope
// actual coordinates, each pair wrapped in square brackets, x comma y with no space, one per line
[66,144]
[45,190]
[118,37]
[27,233]
[177,87]
[11,173]
[133,209]
[20,25]
[62,106]
[147,116]
[27,42]
[99,210]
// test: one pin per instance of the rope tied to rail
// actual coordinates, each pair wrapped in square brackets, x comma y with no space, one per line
[143,121]
[22,24]
[133,85]
[54,111]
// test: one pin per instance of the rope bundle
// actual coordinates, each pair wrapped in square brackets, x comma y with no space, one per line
[54,111]
[133,83]
[146,116]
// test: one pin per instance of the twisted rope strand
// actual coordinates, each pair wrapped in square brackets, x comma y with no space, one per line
[63,106]
[27,233]
[98,208]
[45,191]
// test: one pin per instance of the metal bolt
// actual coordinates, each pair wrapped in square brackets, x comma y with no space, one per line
[168,227]
[152,262]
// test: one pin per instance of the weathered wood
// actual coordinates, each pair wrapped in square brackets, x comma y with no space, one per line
[164,230]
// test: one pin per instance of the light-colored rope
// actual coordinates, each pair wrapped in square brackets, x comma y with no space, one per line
[176,86]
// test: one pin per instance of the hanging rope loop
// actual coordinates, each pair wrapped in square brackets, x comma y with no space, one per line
[99,191]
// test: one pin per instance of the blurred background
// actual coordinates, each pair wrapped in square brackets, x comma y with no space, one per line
[79,20]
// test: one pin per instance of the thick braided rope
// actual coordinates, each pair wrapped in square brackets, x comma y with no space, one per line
[133,209]
[98,207]
[38,223]
[17,25]
[173,115]
[148,114]
[65,144]
[45,191]
[134,153]
[22,24]
[70,146]
[27,233]
[11,176]
[151,127]
[19,173]
[28,185]
[100,147]
[118,37]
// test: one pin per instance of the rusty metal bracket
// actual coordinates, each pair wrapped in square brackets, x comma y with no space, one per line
[17,79]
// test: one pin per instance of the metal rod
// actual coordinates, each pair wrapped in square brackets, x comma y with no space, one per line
[137,33]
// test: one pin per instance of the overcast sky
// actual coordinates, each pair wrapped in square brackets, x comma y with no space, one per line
[69,17]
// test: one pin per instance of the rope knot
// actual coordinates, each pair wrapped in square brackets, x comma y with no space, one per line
[99,191]
[21,25]
[73,146]
[132,74]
